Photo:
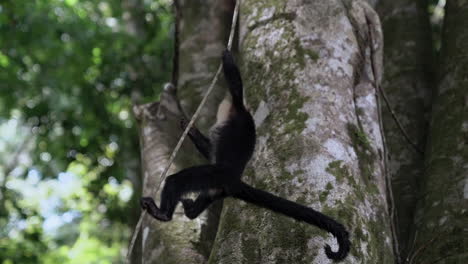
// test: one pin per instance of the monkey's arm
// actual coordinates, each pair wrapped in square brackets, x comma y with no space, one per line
[233,79]
[201,142]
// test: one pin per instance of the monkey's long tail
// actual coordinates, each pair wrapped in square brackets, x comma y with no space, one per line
[300,213]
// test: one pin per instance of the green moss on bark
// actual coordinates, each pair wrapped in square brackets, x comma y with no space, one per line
[362,146]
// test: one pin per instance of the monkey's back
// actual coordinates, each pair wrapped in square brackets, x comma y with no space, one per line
[235,142]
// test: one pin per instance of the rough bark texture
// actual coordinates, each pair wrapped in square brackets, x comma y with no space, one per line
[204,31]
[170,242]
[407,82]
[312,65]
[202,39]
[442,217]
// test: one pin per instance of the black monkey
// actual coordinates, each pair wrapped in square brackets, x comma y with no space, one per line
[230,147]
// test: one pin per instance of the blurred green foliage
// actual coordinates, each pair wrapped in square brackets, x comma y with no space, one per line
[436,9]
[69,157]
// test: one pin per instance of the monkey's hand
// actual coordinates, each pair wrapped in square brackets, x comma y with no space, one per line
[148,204]
[183,123]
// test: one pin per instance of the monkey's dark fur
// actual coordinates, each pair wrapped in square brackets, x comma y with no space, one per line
[230,147]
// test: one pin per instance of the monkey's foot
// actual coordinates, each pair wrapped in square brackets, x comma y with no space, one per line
[148,204]
[189,208]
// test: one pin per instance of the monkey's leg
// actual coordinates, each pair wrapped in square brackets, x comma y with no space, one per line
[201,142]
[194,179]
[193,209]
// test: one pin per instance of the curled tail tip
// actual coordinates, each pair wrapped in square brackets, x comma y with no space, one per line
[342,252]
[335,256]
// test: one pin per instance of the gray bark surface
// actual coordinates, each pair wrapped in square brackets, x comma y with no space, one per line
[202,39]
[166,242]
[313,67]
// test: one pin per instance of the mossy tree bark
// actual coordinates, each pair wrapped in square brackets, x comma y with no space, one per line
[407,82]
[312,66]
[442,216]
[311,71]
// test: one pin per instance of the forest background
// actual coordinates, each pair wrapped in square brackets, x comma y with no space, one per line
[70,165]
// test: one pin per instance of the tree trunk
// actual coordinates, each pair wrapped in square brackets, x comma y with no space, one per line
[202,41]
[170,242]
[314,67]
[311,73]
[407,83]
[442,216]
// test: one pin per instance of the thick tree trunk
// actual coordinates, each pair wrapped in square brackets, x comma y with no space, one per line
[407,83]
[313,67]
[442,217]
[203,30]
[169,242]
[202,40]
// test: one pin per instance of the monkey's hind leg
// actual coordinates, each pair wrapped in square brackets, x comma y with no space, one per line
[193,209]
[194,179]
